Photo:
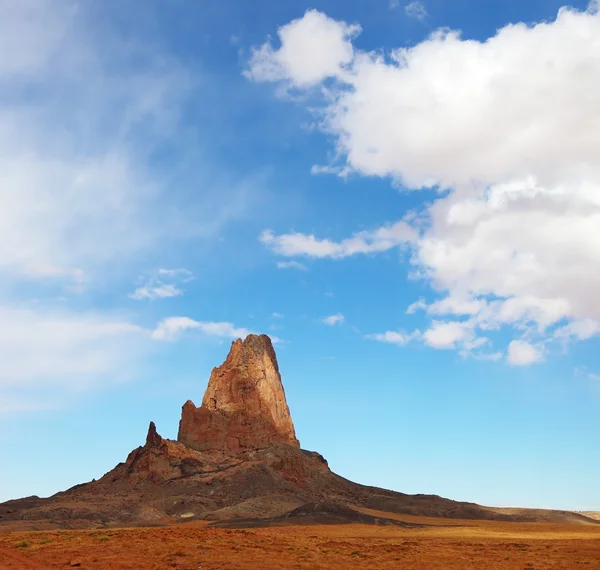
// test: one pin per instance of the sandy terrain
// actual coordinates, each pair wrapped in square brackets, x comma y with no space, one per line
[442,545]
[592,514]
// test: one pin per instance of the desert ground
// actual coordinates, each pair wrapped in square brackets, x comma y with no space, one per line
[442,544]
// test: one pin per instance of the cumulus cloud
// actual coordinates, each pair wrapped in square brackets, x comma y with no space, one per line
[508,129]
[164,285]
[312,49]
[427,114]
[172,328]
[445,335]
[333,320]
[376,241]
[522,353]
[416,10]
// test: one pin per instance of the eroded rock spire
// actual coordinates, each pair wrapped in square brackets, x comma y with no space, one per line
[244,406]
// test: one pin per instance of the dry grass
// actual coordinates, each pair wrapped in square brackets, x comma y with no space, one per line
[444,545]
[592,514]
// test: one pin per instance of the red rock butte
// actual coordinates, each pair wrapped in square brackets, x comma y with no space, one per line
[237,461]
[244,406]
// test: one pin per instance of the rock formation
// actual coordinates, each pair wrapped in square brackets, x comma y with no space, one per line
[236,459]
[244,406]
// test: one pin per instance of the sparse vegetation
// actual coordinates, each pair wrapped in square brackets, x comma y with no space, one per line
[441,546]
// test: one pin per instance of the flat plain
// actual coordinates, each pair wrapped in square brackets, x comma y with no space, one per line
[442,544]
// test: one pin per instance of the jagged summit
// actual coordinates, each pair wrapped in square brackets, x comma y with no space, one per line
[153,439]
[244,406]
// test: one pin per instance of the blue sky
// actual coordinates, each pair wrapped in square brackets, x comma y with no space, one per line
[404,195]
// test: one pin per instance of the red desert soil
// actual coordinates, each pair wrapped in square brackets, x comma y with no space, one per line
[443,545]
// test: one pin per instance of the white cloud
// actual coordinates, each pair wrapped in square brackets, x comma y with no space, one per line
[277,316]
[291,265]
[454,305]
[160,288]
[522,353]
[76,188]
[333,320]
[313,48]
[428,113]
[419,305]
[379,240]
[184,274]
[57,348]
[48,355]
[395,337]
[446,335]
[82,114]
[578,330]
[173,327]
[510,126]
[416,10]
[156,292]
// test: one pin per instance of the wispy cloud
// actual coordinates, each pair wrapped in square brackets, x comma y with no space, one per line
[82,114]
[416,10]
[291,265]
[375,241]
[183,274]
[156,291]
[333,320]
[398,338]
[47,354]
[584,371]
[173,327]
[163,286]
[77,188]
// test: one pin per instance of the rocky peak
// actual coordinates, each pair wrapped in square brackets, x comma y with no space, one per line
[244,406]
[153,439]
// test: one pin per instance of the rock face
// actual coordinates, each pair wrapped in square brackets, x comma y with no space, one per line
[244,406]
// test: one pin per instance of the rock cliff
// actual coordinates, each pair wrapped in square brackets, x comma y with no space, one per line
[244,406]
